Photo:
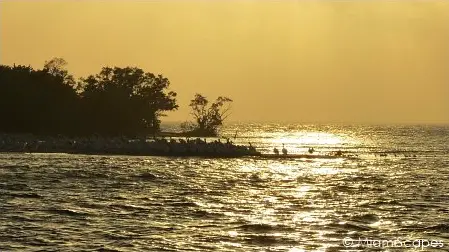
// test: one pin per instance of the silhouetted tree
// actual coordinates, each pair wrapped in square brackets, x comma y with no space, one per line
[208,119]
[35,101]
[126,101]
[58,67]
[117,101]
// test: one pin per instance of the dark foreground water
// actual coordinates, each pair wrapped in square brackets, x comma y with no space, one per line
[61,202]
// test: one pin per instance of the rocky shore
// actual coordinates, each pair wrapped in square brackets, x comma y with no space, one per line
[124,146]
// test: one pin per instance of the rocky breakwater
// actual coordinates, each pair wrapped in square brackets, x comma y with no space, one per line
[124,146]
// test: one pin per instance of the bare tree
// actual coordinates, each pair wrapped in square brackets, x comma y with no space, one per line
[208,118]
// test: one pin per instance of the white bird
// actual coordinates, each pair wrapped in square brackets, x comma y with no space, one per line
[276,151]
[284,150]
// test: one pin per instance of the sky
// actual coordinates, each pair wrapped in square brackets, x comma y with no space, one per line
[286,61]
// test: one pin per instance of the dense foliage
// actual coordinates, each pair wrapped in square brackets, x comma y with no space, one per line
[208,118]
[117,101]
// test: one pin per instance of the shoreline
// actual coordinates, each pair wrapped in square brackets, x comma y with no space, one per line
[178,155]
[159,146]
[123,146]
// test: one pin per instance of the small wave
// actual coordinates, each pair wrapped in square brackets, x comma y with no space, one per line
[382,202]
[26,195]
[22,218]
[184,204]
[76,174]
[261,227]
[119,235]
[39,242]
[91,205]
[366,218]
[255,178]
[146,176]
[128,207]
[14,186]
[343,188]
[268,240]
[444,210]
[352,226]
[439,228]
[68,212]
[119,197]
[105,249]
[205,214]
[10,166]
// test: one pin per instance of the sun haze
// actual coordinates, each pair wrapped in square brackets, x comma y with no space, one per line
[311,61]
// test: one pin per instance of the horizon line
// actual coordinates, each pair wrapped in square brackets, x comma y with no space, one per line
[323,122]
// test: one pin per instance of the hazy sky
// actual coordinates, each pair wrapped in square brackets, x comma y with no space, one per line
[313,61]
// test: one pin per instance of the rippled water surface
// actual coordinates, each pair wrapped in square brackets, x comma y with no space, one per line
[62,202]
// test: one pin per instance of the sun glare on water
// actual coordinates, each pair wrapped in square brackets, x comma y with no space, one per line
[309,138]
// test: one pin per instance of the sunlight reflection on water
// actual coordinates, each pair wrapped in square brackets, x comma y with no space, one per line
[308,138]
[122,203]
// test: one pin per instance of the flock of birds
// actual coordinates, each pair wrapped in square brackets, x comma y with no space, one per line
[284,150]
[339,153]
[124,145]
[158,146]
[310,150]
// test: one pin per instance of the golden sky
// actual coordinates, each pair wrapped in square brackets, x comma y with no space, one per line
[310,61]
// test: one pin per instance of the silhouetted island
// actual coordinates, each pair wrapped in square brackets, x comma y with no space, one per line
[116,111]
[115,102]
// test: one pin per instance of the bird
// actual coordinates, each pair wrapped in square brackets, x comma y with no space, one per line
[276,151]
[284,150]
[311,150]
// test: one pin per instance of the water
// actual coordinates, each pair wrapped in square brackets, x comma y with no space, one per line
[62,202]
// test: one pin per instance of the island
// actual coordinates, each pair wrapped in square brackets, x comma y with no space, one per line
[115,112]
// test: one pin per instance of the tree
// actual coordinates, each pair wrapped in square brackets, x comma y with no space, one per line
[208,118]
[117,101]
[126,101]
[35,101]
[58,68]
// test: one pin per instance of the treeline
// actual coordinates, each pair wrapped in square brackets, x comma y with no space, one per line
[117,101]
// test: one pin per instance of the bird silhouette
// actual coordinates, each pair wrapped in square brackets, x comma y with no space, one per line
[284,150]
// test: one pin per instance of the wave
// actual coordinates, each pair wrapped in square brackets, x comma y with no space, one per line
[146,176]
[103,249]
[205,214]
[26,195]
[261,227]
[184,204]
[351,226]
[391,202]
[439,228]
[12,166]
[366,218]
[15,186]
[269,240]
[129,207]
[68,212]
[22,218]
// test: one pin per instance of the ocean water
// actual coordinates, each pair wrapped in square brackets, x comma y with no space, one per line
[62,202]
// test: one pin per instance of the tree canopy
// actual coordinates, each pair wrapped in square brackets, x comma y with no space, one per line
[126,100]
[116,101]
[208,118]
